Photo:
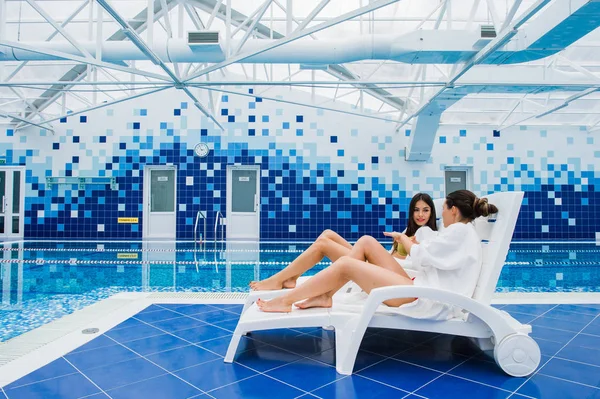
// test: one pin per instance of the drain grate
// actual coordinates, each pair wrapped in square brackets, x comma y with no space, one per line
[199,295]
[90,331]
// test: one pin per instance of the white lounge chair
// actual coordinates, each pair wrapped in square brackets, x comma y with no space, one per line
[491,329]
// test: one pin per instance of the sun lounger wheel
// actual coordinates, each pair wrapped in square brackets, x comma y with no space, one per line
[518,355]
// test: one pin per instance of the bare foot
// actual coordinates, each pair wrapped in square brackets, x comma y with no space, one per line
[276,305]
[270,284]
[321,301]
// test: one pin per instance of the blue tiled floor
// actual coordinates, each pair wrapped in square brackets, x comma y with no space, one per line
[176,351]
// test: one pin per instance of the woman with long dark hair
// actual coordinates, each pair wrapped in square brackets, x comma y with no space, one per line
[333,246]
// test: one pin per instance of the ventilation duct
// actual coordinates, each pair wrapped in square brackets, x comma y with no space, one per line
[199,38]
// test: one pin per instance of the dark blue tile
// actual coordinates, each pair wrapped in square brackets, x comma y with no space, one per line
[593,329]
[407,336]
[388,372]
[569,316]
[150,317]
[178,323]
[487,372]
[586,340]
[551,334]
[151,308]
[430,357]
[356,387]
[228,325]
[529,309]
[65,387]
[131,322]
[100,341]
[306,374]
[448,387]
[576,372]
[165,386]
[179,358]
[124,373]
[190,310]
[257,387]
[580,354]
[100,357]
[201,333]
[302,344]
[541,386]
[133,333]
[159,343]
[220,345]
[450,343]
[216,316]
[363,359]
[549,348]
[266,358]
[57,368]
[215,374]
[593,310]
[558,324]
[231,307]
[383,345]
[523,317]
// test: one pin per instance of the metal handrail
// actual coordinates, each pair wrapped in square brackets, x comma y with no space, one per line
[218,218]
[200,215]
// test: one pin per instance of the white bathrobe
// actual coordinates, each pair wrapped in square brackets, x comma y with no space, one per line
[450,260]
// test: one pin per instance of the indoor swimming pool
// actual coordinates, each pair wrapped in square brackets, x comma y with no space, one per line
[43,281]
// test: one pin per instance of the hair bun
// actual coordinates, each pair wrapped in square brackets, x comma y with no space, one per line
[481,207]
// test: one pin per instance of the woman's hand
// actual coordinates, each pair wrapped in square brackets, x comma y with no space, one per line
[396,236]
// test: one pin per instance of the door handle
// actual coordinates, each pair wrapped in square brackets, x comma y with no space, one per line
[255,202]
[3,204]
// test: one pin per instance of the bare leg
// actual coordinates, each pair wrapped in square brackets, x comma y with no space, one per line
[319,287]
[367,248]
[329,244]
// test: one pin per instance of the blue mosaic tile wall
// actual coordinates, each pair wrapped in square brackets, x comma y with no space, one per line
[319,169]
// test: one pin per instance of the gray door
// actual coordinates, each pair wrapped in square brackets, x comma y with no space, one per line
[455,180]
[243,208]
[161,200]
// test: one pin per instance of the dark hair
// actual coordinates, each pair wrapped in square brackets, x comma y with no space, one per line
[469,206]
[412,226]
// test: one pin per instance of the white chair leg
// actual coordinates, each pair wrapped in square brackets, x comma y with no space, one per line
[485,344]
[346,348]
[233,345]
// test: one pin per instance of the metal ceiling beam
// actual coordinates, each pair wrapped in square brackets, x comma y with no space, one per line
[133,36]
[295,36]
[79,72]
[217,9]
[425,128]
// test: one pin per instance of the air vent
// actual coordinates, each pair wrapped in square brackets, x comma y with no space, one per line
[488,31]
[203,37]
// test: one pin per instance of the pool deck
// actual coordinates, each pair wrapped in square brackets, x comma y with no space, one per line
[169,339]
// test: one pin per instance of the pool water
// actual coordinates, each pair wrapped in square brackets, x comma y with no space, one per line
[42,281]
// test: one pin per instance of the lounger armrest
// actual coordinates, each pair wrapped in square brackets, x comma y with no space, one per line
[495,320]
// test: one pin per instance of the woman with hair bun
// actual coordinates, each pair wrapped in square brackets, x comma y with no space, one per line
[449,260]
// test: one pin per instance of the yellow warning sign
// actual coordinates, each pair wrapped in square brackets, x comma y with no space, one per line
[127,255]
[128,220]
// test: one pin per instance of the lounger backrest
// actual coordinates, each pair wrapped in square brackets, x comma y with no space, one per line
[496,233]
